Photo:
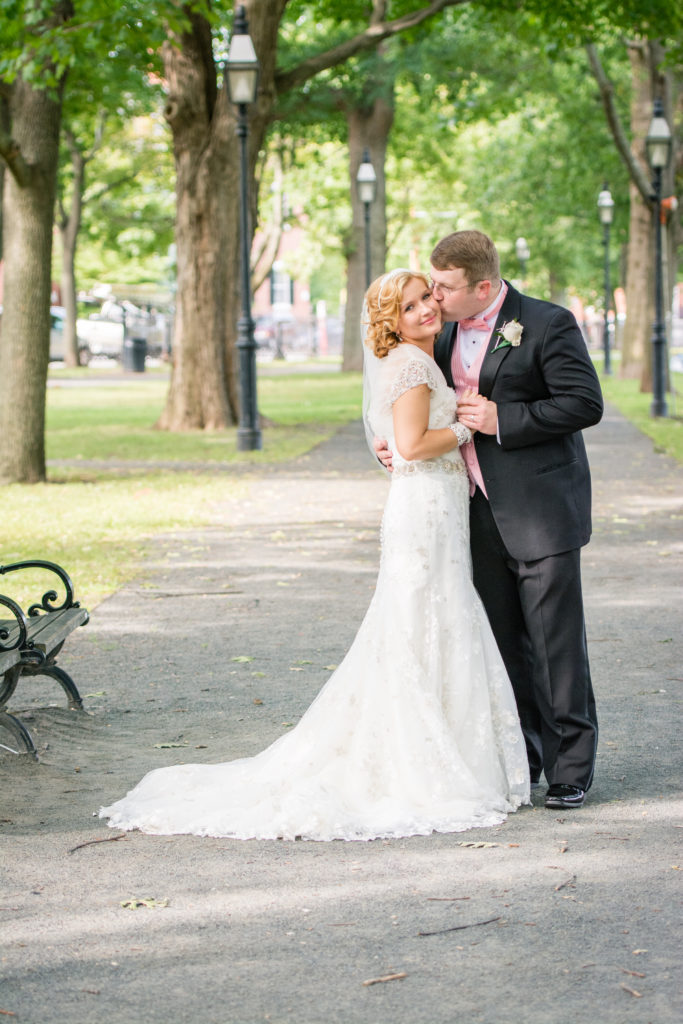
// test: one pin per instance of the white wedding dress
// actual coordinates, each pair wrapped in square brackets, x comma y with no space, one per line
[416,731]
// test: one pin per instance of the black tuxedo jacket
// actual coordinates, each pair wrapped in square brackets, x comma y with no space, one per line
[546,390]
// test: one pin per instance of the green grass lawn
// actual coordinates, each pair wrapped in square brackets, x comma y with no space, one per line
[95,519]
[115,422]
[666,432]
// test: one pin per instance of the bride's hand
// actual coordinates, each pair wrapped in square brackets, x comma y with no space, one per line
[383,453]
[477,413]
[466,422]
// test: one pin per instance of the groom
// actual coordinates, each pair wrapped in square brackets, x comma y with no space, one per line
[526,384]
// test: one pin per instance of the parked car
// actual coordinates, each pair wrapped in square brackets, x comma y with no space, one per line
[104,337]
[275,333]
[57,319]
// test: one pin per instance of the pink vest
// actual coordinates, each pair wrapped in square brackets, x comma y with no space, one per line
[463,379]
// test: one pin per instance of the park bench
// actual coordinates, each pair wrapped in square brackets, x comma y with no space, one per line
[30,642]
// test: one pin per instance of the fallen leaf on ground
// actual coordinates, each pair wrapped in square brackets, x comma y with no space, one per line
[147,901]
[242,658]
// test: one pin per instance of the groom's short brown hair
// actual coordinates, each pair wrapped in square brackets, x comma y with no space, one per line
[472,251]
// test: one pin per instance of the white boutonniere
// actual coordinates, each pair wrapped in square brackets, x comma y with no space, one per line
[510,334]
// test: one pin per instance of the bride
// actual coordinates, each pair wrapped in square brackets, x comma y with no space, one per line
[417,730]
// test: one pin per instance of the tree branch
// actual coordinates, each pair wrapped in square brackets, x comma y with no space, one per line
[374,34]
[100,122]
[606,88]
[11,154]
[93,197]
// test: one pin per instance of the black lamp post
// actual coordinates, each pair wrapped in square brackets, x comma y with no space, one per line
[658,146]
[242,70]
[522,250]
[605,212]
[366,179]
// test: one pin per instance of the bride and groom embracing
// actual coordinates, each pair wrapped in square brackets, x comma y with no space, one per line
[437,720]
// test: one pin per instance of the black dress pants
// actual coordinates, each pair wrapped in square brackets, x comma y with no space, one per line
[536,613]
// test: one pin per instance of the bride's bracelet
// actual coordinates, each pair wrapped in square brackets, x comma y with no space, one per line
[463,433]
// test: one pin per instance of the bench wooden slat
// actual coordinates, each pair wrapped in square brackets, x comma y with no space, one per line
[8,659]
[47,631]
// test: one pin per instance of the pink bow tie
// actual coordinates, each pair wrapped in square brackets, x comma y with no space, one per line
[475,323]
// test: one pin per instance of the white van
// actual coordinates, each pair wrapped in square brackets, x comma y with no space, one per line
[57,318]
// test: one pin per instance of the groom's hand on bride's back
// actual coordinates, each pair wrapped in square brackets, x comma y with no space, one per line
[383,453]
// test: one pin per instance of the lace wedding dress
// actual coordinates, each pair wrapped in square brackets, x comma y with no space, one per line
[417,729]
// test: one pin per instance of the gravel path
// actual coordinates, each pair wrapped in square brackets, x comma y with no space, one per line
[558,918]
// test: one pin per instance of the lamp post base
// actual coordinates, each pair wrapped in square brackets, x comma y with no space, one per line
[659,408]
[249,439]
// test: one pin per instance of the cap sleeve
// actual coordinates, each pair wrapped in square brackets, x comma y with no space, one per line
[411,375]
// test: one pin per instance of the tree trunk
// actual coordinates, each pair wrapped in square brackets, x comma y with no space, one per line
[369,129]
[637,330]
[672,223]
[205,218]
[649,79]
[203,393]
[5,129]
[29,196]
[69,226]
[635,359]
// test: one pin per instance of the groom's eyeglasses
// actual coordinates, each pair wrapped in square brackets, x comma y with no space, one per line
[449,291]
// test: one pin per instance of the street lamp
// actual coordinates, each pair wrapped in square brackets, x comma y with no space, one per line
[522,250]
[605,212]
[658,147]
[242,69]
[366,180]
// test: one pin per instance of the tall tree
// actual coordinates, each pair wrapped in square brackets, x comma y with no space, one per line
[203,392]
[651,76]
[40,41]
[109,103]
[31,154]
[69,216]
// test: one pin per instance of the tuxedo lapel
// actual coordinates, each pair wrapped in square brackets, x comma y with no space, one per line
[510,310]
[443,350]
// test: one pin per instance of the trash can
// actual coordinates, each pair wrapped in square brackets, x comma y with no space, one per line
[134,352]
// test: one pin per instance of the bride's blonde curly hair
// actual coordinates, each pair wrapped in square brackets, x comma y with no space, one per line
[382,309]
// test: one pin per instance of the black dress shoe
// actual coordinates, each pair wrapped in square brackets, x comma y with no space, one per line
[564,797]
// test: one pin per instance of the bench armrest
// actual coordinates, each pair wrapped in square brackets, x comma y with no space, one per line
[46,603]
[21,621]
